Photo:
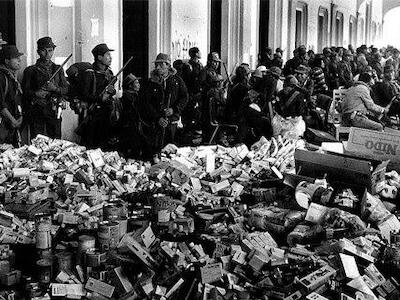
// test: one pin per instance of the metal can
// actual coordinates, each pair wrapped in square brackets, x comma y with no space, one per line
[85,242]
[95,258]
[44,268]
[64,261]
[42,222]
[43,239]
[44,254]
[108,234]
[111,211]
[123,226]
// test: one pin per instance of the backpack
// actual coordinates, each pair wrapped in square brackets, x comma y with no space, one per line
[75,75]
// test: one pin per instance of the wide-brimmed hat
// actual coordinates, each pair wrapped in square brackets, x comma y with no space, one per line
[162,57]
[302,69]
[9,52]
[213,56]
[45,42]
[101,49]
[276,72]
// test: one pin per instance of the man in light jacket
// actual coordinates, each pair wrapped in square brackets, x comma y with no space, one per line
[359,109]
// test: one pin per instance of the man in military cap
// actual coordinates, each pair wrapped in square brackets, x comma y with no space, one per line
[96,128]
[165,97]
[191,114]
[41,96]
[10,95]
[210,71]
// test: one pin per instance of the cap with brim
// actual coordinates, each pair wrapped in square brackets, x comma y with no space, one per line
[101,49]
[10,51]
[214,56]
[262,68]
[257,73]
[131,78]
[45,42]
[162,57]
[276,72]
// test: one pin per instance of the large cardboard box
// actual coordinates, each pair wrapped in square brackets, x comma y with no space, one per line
[375,145]
[344,169]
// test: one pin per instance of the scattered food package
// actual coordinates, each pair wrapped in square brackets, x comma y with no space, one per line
[206,222]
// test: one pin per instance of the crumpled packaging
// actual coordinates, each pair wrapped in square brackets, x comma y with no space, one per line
[337,218]
[275,220]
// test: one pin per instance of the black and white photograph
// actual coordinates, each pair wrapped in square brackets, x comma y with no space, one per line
[200,149]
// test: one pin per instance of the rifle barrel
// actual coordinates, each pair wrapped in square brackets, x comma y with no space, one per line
[112,82]
[60,67]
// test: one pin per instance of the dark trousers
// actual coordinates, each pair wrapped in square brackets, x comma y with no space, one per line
[44,121]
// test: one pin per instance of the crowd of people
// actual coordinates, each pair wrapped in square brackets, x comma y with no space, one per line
[186,103]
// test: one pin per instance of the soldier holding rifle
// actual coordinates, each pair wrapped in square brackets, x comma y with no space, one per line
[44,85]
[95,129]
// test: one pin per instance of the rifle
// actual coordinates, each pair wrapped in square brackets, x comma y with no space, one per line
[88,115]
[59,68]
[227,75]
[164,128]
[115,77]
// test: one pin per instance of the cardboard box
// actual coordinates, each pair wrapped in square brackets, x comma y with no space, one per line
[99,287]
[339,168]
[374,144]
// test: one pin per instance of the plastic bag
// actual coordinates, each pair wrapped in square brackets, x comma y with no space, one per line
[288,127]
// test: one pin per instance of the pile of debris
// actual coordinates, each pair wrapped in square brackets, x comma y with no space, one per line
[205,222]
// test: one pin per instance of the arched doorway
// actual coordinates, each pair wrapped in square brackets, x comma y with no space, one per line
[391,21]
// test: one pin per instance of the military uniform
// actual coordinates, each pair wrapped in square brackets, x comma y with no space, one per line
[10,98]
[43,111]
[95,129]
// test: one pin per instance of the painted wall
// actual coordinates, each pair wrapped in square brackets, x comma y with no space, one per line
[189,28]
[76,27]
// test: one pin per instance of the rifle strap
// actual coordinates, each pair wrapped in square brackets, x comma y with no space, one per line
[94,81]
[291,99]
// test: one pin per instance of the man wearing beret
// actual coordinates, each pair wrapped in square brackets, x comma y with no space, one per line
[97,129]
[10,95]
[42,97]
[165,97]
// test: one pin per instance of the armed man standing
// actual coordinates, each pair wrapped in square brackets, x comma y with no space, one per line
[10,95]
[95,129]
[44,85]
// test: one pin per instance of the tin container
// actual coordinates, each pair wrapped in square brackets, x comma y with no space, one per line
[123,226]
[44,270]
[44,254]
[43,240]
[108,235]
[111,211]
[43,222]
[85,243]
[64,261]
[95,258]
